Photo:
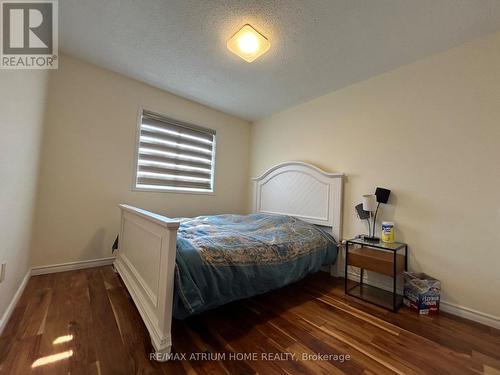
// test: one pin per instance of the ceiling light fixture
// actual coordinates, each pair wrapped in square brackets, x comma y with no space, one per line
[248,43]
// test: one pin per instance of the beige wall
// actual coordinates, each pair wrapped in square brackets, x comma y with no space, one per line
[430,131]
[22,101]
[87,161]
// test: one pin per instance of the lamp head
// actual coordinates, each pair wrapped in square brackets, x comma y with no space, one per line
[369,202]
[382,195]
[363,215]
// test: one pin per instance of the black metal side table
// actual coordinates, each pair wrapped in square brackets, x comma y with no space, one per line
[380,257]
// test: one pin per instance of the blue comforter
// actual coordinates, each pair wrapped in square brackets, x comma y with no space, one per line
[223,258]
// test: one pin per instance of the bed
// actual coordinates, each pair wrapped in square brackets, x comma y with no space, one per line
[223,258]
[176,267]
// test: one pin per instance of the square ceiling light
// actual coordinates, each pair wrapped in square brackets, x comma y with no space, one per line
[248,43]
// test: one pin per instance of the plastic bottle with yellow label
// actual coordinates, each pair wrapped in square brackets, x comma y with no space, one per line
[387,232]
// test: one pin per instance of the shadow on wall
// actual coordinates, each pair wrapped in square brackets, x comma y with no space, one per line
[96,245]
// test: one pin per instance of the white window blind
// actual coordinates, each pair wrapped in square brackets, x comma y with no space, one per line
[172,155]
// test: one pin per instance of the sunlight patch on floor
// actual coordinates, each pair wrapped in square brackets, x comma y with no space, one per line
[62,339]
[52,358]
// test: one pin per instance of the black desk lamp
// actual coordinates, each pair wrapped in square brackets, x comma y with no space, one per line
[371,203]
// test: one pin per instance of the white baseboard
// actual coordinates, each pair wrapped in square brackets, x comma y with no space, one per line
[71,266]
[13,302]
[465,312]
[451,308]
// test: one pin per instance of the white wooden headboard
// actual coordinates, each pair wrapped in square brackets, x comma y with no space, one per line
[302,190]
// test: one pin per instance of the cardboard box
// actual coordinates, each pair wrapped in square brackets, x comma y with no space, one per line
[422,293]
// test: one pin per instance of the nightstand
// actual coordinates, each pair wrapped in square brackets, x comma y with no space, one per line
[390,259]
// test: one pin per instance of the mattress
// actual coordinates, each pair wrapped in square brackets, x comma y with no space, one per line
[224,258]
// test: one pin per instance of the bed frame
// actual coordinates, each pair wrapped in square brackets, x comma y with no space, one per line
[146,255]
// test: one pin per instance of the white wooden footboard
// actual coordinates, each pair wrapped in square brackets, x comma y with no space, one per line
[146,261]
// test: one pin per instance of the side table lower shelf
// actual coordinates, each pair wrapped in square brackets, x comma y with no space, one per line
[375,295]
[389,259]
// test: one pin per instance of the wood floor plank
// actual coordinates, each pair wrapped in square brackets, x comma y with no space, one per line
[112,355]
[56,329]
[404,344]
[21,357]
[319,342]
[216,344]
[135,341]
[84,356]
[457,333]
[185,344]
[88,316]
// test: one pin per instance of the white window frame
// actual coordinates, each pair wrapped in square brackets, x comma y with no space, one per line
[167,189]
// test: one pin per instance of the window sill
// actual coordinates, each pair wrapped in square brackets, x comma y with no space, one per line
[174,191]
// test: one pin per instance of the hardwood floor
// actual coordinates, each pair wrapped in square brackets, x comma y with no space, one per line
[84,322]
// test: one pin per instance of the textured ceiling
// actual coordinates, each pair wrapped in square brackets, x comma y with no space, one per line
[317,46]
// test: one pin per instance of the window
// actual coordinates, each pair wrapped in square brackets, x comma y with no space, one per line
[174,156]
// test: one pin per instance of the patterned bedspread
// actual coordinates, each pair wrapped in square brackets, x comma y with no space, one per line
[223,258]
